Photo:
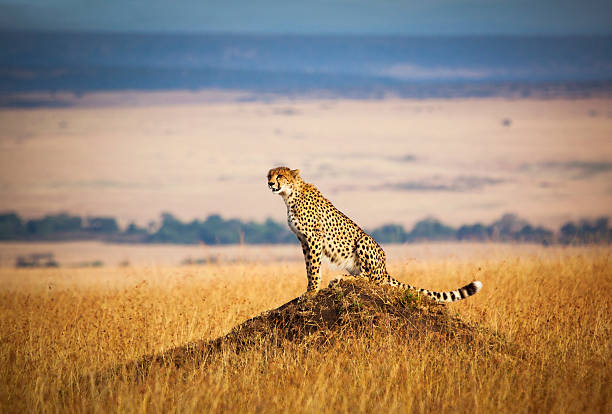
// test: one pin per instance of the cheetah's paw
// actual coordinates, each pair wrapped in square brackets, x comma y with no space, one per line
[334,282]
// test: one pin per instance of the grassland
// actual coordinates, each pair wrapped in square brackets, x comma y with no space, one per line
[61,328]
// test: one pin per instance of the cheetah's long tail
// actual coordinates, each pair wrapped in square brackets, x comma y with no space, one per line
[450,296]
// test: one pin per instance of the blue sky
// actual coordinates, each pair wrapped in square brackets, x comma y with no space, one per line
[432,17]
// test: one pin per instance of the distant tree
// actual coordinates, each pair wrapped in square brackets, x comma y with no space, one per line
[431,229]
[215,230]
[390,233]
[102,225]
[173,230]
[11,227]
[596,231]
[268,232]
[569,233]
[51,225]
[586,232]
[507,228]
[133,229]
[535,235]
[132,234]
[473,232]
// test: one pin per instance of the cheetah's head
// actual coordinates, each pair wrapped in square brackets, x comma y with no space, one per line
[283,180]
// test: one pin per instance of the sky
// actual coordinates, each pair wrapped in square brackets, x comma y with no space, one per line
[383,17]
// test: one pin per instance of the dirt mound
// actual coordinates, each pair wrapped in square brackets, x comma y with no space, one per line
[349,310]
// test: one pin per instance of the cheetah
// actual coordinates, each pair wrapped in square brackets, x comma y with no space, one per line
[323,230]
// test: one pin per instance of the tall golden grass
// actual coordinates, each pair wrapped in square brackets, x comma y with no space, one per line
[59,326]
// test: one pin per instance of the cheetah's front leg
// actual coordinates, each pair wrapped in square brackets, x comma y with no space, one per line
[312,255]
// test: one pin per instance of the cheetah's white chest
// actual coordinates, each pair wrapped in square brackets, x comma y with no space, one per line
[294,224]
[350,263]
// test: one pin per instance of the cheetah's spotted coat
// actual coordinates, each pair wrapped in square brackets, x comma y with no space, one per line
[324,230]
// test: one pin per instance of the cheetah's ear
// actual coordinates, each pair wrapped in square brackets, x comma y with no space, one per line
[295,173]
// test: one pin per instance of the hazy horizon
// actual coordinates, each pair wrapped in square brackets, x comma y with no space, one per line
[381,161]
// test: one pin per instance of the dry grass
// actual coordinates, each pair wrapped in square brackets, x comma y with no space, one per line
[65,333]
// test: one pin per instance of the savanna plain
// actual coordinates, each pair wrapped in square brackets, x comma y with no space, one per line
[66,333]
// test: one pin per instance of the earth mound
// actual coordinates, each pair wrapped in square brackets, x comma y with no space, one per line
[351,309]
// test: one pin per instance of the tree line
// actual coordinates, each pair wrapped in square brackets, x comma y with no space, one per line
[217,230]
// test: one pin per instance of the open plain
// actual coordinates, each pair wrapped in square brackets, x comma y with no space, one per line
[378,161]
[60,328]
